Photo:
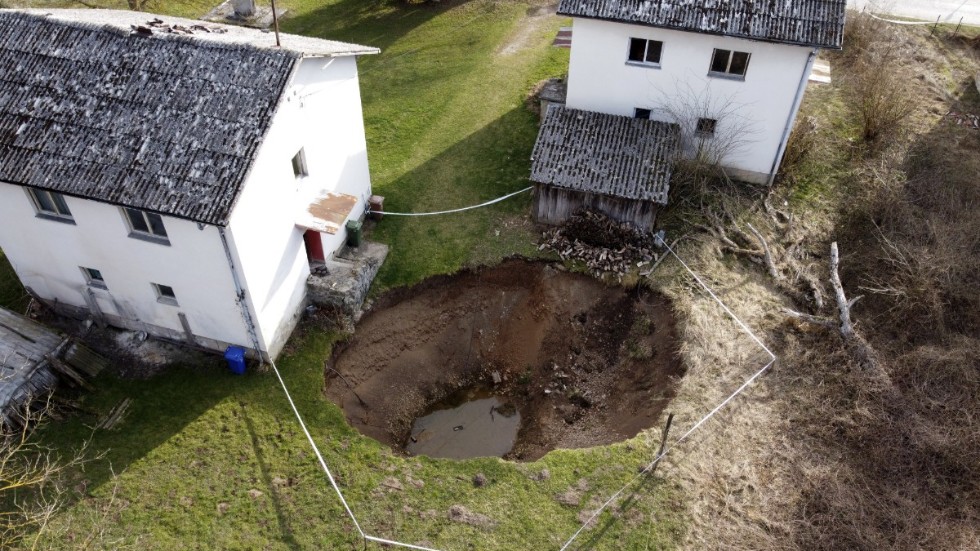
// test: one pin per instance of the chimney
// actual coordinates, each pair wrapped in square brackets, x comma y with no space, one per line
[244,8]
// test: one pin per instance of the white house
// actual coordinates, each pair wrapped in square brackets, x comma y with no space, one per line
[730,73]
[176,177]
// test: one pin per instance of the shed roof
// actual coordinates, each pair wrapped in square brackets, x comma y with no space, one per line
[606,154]
[167,119]
[816,23]
[24,373]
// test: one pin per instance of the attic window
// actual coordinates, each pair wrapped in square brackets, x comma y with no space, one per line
[729,63]
[706,128]
[93,278]
[299,164]
[146,225]
[49,204]
[641,113]
[645,52]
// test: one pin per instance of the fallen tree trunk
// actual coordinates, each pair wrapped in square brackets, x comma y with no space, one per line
[860,348]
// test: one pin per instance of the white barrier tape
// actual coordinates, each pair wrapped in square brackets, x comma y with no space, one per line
[897,22]
[316,450]
[703,420]
[398,543]
[497,200]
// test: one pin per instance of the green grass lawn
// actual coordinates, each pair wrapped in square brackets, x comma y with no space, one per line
[208,460]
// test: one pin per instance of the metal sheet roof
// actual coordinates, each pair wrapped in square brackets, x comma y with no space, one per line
[816,23]
[165,122]
[607,154]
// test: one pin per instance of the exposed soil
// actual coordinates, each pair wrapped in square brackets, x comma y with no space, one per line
[586,364]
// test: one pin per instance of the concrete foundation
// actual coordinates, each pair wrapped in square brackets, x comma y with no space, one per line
[347,277]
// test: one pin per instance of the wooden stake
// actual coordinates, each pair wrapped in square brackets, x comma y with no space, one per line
[663,434]
[275,22]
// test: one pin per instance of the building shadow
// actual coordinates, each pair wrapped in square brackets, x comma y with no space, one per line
[378,23]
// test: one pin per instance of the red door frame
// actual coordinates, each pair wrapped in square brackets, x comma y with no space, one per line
[314,246]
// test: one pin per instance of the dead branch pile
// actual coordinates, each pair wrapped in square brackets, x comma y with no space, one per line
[785,259]
[604,245]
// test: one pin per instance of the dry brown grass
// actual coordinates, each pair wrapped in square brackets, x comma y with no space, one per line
[820,454]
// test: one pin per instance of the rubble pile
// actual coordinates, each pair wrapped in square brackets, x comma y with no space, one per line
[604,245]
[968,120]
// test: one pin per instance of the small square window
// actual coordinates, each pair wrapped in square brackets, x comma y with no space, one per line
[706,128]
[165,294]
[645,51]
[93,278]
[50,204]
[728,62]
[640,113]
[299,164]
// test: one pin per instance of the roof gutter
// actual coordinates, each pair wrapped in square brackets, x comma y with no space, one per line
[792,116]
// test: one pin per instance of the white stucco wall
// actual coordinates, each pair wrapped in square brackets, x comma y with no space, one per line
[47,255]
[599,79]
[321,114]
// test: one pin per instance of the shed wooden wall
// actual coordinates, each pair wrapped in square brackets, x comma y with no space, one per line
[555,205]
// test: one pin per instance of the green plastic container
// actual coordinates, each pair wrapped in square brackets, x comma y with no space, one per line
[353,233]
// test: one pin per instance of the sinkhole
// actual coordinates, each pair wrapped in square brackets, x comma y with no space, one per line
[512,360]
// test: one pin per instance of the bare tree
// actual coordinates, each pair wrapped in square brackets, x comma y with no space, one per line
[33,478]
[713,126]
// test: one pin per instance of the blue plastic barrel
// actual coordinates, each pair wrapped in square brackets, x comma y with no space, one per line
[236,359]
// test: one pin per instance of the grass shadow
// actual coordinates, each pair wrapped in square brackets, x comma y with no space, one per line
[649,482]
[378,23]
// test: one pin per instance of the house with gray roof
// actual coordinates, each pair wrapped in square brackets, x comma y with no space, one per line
[730,74]
[172,176]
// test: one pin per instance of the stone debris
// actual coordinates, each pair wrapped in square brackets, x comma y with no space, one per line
[604,245]
[393,483]
[458,513]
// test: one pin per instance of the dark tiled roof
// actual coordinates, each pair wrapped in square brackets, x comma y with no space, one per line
[164,123]
[818,23]
[606,154]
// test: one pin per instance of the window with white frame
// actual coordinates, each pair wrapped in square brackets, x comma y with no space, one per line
[165,294]
[299,164]
[50,204]
[645,51]
[641,113]
[146,225]
[93,278]
[706,128]
[729,63]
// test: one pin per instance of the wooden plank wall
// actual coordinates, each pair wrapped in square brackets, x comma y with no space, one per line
[555,205]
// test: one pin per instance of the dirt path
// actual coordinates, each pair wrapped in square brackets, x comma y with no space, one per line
[586,364]
[537,18]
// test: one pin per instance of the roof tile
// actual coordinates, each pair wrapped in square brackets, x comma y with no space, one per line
[817,23]
[605,154]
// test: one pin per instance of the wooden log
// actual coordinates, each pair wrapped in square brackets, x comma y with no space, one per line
[767,254]
[843,306]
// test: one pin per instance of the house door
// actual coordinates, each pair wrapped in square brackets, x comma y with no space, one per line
[314,247]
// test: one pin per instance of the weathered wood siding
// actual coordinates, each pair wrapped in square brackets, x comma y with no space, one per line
[555,205]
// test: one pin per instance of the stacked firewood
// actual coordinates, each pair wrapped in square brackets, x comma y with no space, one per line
[604,245]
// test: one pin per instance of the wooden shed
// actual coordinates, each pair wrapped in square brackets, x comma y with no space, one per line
[32,357]
[620,166]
